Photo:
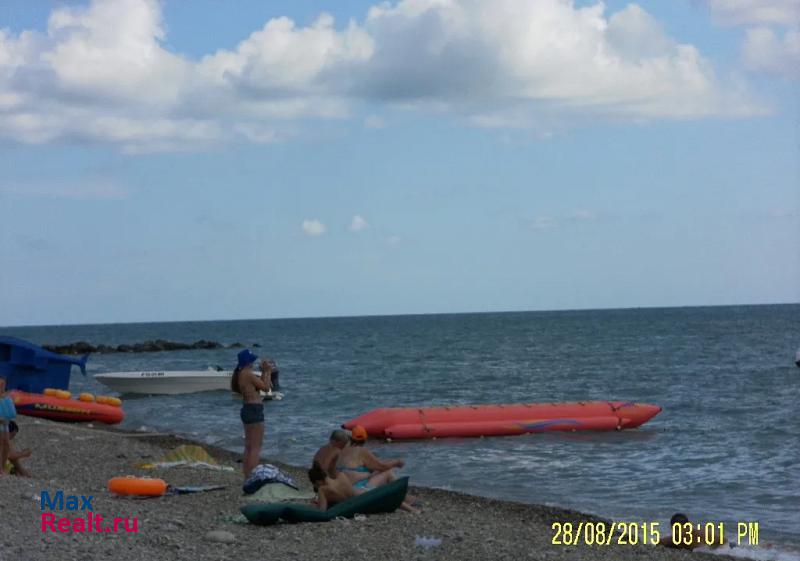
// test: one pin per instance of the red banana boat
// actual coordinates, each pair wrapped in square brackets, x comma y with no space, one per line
[502,420]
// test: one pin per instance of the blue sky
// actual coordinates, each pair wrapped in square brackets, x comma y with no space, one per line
[179,161]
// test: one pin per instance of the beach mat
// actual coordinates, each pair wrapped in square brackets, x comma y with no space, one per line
[277,492]
[386,498]
[186,455]
[189,489]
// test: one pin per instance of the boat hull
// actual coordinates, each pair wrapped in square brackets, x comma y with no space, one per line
[67,410]
[502,420]
[164,382]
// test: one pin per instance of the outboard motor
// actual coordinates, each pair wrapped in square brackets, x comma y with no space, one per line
[797,358]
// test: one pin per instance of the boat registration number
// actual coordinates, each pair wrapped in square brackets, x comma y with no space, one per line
[151,374]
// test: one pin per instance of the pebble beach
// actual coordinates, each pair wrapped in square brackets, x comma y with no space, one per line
[79,460]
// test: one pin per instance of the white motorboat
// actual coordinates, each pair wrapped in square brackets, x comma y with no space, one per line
[166,382]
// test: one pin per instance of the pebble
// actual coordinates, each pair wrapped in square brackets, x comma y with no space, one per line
[471,529]
[220,536]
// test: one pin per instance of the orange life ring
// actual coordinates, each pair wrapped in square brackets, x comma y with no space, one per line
[143,486]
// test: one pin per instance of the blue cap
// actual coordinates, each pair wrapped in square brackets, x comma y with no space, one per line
[246,358]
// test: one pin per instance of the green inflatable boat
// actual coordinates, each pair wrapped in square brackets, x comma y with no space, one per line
[386,498]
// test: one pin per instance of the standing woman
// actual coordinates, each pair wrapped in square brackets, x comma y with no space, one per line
[246,383]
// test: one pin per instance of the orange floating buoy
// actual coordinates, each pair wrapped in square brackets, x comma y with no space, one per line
[109,400]
[142,486]
[86,397]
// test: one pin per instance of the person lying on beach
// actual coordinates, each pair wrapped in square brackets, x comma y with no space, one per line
[330,490]
[13,465]
[328,456]
[365,471]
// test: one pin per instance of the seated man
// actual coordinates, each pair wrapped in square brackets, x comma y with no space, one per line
[330,490]
[328,456]
[14,465]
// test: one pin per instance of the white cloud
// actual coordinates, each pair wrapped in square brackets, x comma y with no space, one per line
[257,133]
[112,51]
[103,72]
[394,240]
[772,40]
[281,58]
[85,190]
[583,214]
[543,223]
[782,213]
[373,122]
[313,227]
[765,50]
[753,12]
[515,62]
[357,224]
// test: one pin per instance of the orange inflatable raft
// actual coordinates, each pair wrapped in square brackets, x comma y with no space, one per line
[502,420]
[59,407]
[139,486]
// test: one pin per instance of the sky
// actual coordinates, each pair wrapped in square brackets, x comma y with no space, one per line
[171,161]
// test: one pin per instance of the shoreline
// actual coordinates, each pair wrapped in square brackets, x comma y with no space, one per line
[79,460]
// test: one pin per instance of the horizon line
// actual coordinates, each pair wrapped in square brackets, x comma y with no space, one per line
[357,316]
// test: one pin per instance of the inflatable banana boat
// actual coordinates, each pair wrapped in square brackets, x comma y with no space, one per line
[57,405]
[502,420]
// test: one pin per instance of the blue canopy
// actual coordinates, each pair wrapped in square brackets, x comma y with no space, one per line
[29,367]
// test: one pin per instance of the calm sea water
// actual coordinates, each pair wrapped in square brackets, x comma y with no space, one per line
[725,448]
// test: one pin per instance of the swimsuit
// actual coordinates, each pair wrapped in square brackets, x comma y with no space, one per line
[361,483]
[359,469]
[252,413]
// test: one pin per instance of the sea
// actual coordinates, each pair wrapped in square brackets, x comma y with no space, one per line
[725,448]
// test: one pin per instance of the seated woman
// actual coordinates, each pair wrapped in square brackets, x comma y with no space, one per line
[364,470]
[361,466]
